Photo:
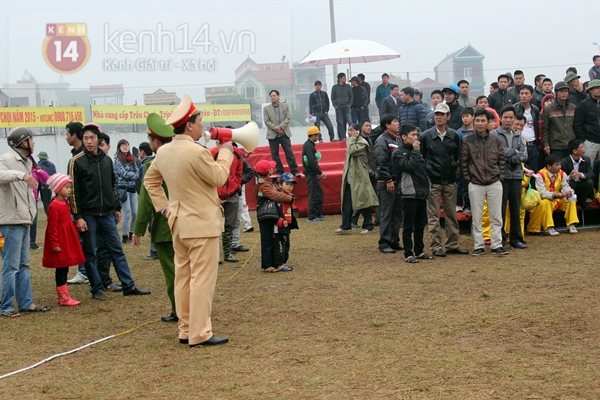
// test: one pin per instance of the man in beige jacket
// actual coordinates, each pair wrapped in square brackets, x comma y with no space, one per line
[277,117]
[17,210]
[195,218]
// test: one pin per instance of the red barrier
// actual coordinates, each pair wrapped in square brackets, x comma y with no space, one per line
[332,160]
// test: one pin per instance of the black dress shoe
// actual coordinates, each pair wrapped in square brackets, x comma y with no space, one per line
[240,249]
[135,291]
[387,250]
[213,341]
[169,318]
[439,253]
[184,341]
[457,251]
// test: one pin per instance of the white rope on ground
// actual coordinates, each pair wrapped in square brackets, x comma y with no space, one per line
[118,334]
[56,356]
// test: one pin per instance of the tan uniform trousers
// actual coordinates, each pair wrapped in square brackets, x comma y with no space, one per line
[196,267]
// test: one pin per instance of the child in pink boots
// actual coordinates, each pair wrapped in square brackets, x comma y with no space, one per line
[61,245]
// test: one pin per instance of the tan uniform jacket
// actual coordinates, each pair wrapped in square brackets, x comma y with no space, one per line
[192,176]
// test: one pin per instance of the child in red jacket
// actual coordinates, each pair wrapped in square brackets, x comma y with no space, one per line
[281,246]
[61,245]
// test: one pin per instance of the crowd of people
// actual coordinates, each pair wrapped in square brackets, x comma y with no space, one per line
[475,156]
[471,155]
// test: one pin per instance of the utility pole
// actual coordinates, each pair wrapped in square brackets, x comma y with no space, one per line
[333,39]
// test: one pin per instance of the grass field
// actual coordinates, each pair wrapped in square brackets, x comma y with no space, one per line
[347,323]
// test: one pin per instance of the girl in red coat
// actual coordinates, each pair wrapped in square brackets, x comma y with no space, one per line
[61,245]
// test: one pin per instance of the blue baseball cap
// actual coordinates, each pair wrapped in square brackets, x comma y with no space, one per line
[287,177]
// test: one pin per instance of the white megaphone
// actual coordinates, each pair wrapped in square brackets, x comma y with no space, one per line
[247,135]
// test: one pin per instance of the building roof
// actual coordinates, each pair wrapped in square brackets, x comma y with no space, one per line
[466,52]
[429,83]
[107,90]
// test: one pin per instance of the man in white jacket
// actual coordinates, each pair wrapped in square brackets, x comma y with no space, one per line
[17,210]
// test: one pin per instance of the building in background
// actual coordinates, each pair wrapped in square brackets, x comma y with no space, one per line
[466,63]
[427,86]
[161,97]
[28,92]
[107,94]
[220,94]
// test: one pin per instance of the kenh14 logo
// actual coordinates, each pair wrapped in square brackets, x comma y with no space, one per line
[66,47]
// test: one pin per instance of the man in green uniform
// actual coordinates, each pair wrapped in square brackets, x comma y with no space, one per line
[158,135]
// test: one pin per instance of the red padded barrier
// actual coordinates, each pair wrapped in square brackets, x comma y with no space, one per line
[333,156]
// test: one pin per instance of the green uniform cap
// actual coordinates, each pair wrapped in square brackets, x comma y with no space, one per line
[158,129]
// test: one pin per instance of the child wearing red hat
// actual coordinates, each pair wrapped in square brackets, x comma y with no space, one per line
[266,190]
[62,247]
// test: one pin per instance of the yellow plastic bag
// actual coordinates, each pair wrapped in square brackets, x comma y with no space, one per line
[531,199]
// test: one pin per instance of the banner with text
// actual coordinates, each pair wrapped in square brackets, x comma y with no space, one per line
[138,114]
[11,117]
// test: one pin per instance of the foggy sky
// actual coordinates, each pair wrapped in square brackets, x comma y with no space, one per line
[535,36]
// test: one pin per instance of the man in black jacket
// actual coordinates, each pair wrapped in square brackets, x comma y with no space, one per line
[576,92]
[365,84]
[390,203]
[531,129]
[360,100]
[451,93]
[391,104]
[313,173]
[587,121]
[413,185]
[501,97]
[579,168]
[318,104]
[93,202]
[440,147]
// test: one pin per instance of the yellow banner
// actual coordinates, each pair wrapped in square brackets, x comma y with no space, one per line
[11,117]
[138,114]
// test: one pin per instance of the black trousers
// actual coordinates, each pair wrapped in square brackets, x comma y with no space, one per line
[415,221]
[511,193]
[367,218]
[230,208]
[286,145]
[347,208]
[266,244]
[583,189]
[60,275]
[281,249]
[390,206]
[315,196]
[46,197]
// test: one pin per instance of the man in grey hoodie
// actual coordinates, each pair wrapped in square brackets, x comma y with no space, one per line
[342,98]
[515,151]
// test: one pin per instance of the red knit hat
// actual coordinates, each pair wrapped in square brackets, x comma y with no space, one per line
[57,181]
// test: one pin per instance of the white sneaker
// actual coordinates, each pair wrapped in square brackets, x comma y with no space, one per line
[365,231]
[467,211]
[459,209]
[572,228]
[552,232]
[78,279]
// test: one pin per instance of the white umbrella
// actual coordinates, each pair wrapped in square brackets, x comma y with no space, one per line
[349,51]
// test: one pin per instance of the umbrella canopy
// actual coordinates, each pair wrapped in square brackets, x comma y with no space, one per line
[349,51]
